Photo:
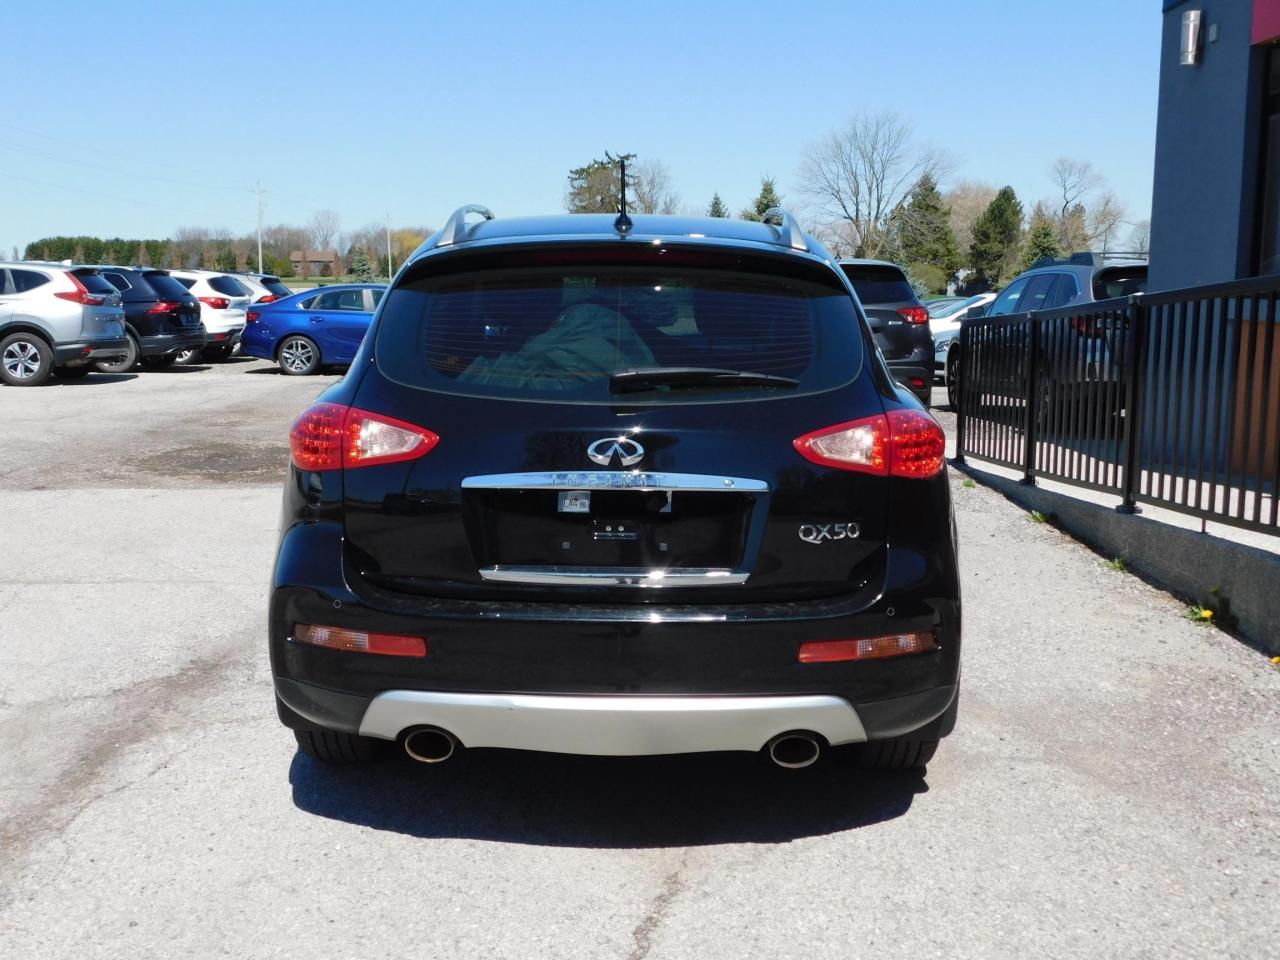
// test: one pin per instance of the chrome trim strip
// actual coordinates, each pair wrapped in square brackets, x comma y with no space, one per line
[614,576]
[612,480]
[613,726]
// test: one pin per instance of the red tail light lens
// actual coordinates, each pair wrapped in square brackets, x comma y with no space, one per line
[904,443]
[81,294]
[360,641]
[252,316]
[329,436]
[914,314]
[867,648]
[218,303]
[165,306]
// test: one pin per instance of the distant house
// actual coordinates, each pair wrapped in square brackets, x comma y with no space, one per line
[319,263]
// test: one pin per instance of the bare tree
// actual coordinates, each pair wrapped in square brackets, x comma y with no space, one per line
[967,200]
[651,189]
[324,229]
[858,175]
[1140,237]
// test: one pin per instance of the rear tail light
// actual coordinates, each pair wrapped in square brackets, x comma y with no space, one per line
[81,294]
[218,303]
[165,306]
[867,648]
[914,314]
[903,443]
[252,316]
[360,641]
[269,298]
[330,436]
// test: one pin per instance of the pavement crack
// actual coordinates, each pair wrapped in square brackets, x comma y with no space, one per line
[643,934]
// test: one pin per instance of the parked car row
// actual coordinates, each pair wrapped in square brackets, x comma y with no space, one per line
[68,320]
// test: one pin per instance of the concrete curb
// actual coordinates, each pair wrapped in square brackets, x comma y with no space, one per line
[1184,562]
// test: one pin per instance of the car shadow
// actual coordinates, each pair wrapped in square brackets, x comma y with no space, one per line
[616,802]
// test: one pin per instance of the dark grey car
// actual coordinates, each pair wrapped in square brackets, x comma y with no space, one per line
[898,320]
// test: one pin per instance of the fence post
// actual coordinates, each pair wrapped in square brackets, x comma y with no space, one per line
[1136,343]
[960,384]
[1032,400]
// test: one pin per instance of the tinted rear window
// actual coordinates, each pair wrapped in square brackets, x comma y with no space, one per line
[166,287]
[274,285]
[228,286]
[557,333]
[95,283]
[879,284]
[1119,282]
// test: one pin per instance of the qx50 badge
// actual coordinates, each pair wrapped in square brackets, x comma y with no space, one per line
[817,532]
[625,449]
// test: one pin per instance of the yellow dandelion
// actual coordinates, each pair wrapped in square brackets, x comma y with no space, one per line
[1206,614]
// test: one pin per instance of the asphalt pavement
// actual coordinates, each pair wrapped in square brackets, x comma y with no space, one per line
[1112,788]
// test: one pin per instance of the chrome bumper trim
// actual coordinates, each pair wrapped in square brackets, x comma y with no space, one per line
[615,576]
[611,725]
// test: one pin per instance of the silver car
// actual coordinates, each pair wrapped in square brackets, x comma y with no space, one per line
[56,320]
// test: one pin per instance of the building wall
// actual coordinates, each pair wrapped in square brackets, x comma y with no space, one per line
[1203,198]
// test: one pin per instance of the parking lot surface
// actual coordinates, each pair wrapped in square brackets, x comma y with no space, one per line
[1112,789]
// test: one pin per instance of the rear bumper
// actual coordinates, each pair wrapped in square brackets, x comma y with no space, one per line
[164,344]
[88,351]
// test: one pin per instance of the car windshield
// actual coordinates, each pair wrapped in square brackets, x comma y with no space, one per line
[561,333]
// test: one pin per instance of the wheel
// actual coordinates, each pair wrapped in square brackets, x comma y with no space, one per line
[124,364]
[72,373]
[900,753]
[25,360]
[298,356]
[159,363]
[328,746]
[216,353]
[951,377]
[189,358]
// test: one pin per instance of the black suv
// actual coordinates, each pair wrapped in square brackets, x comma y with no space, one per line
[613,488]
[161,317]
[899,321]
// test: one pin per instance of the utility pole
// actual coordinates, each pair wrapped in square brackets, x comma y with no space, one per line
[388,246]
[258,190]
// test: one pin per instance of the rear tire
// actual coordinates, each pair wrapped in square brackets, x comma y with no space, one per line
[900,753]
[122,365]
[329,746]
[25,359]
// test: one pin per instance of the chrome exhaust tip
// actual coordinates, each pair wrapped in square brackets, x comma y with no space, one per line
[794,751]
[430,745]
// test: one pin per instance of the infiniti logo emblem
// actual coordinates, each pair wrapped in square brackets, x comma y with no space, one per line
[624,448]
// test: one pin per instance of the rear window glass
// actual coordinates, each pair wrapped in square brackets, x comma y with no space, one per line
[95,283]
[24,280]
[1119,282]
[558,333]
[274,285]
[228,287]
[879,284]
[166,287]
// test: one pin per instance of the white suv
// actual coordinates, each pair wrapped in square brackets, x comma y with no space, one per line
[56,320]
[223,301]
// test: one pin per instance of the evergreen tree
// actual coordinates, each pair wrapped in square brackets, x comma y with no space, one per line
[359,266]
[1042,238]
[997,239]
[717,208]
[923,229]
[765,200]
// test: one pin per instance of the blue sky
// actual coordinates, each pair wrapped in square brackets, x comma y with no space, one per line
[133,119]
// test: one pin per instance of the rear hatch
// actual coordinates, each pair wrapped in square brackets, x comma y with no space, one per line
[887,299]
[613,419]
[183,312]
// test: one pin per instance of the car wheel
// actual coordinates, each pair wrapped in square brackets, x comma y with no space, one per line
[159,363]
[298,356]
[900,753]
[122,365]
[189,358]
[25,360]
[951,377]
[329,746]
[72,373]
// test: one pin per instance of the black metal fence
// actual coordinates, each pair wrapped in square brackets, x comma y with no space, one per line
[1171,399]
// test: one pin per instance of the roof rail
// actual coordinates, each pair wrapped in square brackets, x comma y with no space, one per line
[789,232]
[456,229]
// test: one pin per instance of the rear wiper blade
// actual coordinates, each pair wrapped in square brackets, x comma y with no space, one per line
[646,378]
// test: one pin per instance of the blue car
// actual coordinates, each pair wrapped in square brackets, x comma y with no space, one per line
[313,328]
